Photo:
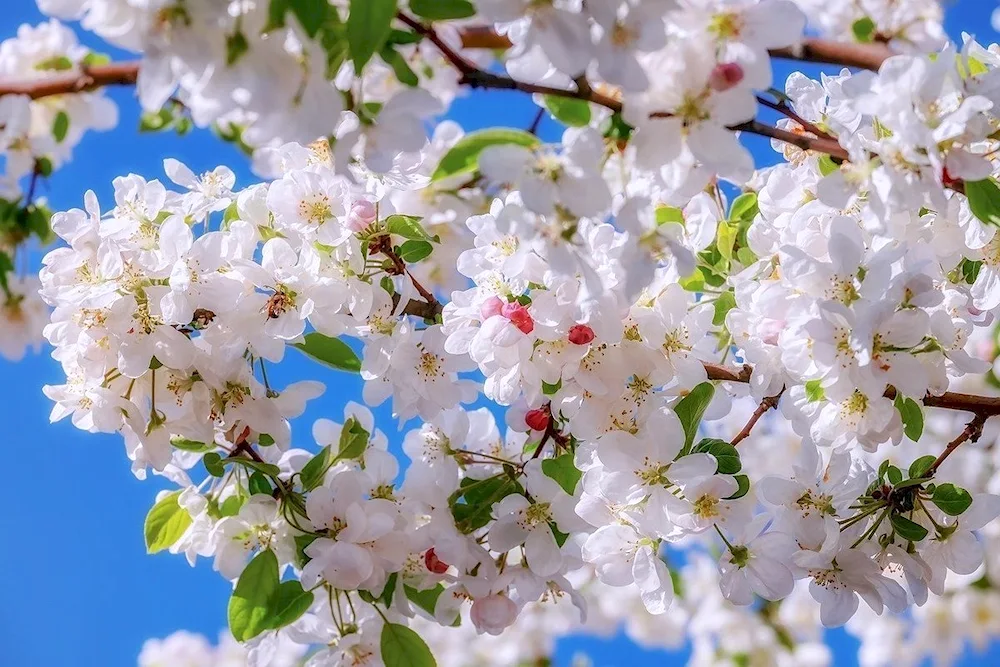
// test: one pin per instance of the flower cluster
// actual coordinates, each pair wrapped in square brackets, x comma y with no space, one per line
[630,317]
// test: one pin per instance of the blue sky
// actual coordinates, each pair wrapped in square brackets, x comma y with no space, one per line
[76,586]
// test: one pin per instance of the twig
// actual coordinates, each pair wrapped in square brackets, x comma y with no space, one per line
[765,405]
[90,78]
[789,113]
[972,432]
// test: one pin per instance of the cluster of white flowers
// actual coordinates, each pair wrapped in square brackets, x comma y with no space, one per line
[633,316]
[36,137]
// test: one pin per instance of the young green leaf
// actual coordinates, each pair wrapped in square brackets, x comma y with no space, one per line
[725,455]
[399,66]
[563,470]
[907,529]
[951,499]
[409,227]
[310,13]
[249,613]
[287,604]
[165,523]
[60,126]
[333,352]
[744,207]
[568,111]
[191,445]
[920,467]
[368,27]
[913,416]
[463,157]
[442,10]
[984,199]
[402,647]
[425,599]
[742,489]
[413,251]
[864,29]
[353,442]
[690,410]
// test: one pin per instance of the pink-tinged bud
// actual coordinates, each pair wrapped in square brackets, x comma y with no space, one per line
[537,420]
[725,76]
[580,334]
[492,306]
[518,316]
[947,179]
[493,614]
[362,214]
[433,563]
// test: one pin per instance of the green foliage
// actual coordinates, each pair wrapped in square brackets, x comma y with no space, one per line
[950,499]
[261,602]
[442,10]
[564,471]
[725,455]
[984,199]
[165,523]
[368,26]
[463,157]
[913,417]
[60,126]
[409,227]
[402,647]
[567,110]
[333,352]
[352,445]
[864,29]
[907,529]
[690,410]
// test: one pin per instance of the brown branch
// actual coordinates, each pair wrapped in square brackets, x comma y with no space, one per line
[765,405]
[89,78]
[830,52]
[972,432]
[829,146]
[789,113]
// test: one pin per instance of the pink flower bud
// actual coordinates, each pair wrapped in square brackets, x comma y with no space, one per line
[537,420]
[492,306]
[518,316]
[580,334]
[725,76]
[362,214]
[493,614]
[433,563]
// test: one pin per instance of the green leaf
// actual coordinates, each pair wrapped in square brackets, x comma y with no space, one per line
[399,66]
[863,29]
[725,455]
[402,647]
[479,497]
[260,484]
[551,389]
[213,464]
[6,266]
[368,27]
[723,304]
[815,391]
[353,442]
[55,64]
[744,207]
[165,523]
[908,530]
[568,111]
[43,166]
[95,59]
[155,121]
[463,157]
[984,199]
[191,445]
[412,251]
[426,599]
[231,506]
[310,13]
[744,487]
[287,604]
[409,227]
[894,474]
[913,417]
[249,614]
[333,352]
[60,126]
[442,10]
[236,46]
[563,470]
[266,468]
[827,166]
[665,214]
[725,239]
[951,499]
[690,410]
[920,467]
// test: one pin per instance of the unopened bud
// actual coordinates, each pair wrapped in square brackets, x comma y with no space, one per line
[725,76]
[537,420]
[492,306]
[518,316]
[362,214]
[433,563]
[580,334]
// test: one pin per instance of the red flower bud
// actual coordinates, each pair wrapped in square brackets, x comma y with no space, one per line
[537,420]
[433,563]
[725,76]
[518,316]
[580,334]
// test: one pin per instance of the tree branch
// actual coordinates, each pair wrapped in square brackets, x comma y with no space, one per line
[973,430]
[89,78]
[765,405]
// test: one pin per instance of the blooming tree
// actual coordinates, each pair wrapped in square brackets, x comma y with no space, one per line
[739,404]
